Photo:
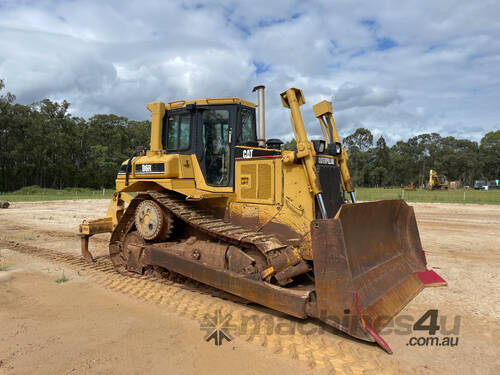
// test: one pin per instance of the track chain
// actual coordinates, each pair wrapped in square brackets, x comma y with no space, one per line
[217,228]
[202,221]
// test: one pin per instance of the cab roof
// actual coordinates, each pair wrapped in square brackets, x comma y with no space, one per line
[208,101]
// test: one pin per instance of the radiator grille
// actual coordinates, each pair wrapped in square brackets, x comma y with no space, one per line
[249,191]
[264,181]
[329,178]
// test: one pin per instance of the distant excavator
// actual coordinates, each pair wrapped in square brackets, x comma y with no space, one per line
[437,181]
[216,202]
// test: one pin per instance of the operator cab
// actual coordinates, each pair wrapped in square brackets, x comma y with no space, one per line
[210,131]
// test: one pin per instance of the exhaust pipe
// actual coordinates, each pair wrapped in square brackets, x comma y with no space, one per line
[261,138]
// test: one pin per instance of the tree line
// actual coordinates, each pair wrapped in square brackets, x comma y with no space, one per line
[409,162]
[375,164]
[43,144]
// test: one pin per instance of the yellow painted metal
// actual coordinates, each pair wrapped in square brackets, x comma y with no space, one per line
[433,176]
[200,179]
[321,109]
[293,99]
[127,198]
[291,206]
[324,113]
[209,101]
[92,227]
[103,225]
[437,181]
[255,181]
[182,174]
[274,191]
[157,110]
[175,166]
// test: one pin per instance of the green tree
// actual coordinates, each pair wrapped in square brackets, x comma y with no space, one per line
[290,145]
[358,145]
[490,155]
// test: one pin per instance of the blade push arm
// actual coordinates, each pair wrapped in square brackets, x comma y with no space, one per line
[293,98]
[324,113]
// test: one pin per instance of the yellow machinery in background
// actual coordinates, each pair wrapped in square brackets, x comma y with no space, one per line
[217,203]
[437,181]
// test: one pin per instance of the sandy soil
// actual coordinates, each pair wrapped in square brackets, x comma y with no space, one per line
[81,327]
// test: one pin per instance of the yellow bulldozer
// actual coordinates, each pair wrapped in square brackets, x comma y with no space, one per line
[214,201]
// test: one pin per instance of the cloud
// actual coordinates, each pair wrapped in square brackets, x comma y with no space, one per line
[349,96]
[396,68]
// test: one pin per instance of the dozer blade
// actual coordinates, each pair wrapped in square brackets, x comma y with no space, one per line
[368,264]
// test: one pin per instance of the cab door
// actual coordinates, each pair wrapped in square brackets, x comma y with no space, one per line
[215,144]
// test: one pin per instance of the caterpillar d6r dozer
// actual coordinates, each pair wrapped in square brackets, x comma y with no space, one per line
[214,202]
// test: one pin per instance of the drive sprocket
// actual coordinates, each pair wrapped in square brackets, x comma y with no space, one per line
[153,223]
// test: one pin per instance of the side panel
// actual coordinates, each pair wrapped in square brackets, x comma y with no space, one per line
[255,181]
[274,198]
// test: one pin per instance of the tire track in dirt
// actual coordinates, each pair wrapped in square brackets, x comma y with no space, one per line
[311,341]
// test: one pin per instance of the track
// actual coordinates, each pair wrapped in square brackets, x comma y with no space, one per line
[307,340]
[199,220]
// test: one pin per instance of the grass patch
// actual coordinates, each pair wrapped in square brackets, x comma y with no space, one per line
[36,193]
[4,267]
[62,279]
[441,196]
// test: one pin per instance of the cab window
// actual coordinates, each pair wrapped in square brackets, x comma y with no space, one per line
[247,133]
[178,132]
[215,146]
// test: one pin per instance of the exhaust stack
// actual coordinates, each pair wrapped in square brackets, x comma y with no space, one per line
[261,138]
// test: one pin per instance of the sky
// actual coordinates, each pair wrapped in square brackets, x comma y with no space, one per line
[398,68]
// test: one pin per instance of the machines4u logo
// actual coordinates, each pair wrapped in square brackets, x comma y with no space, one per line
[429,323]
[217,327]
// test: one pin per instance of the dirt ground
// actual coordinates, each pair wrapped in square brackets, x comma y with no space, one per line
[101,322]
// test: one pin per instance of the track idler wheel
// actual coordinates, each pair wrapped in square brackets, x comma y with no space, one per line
[153,223]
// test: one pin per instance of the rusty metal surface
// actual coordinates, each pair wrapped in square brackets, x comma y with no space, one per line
[375,232]
[285,277]
[240,262]
[287,300]
[212,253]
[152,222]
[202,222]
[217,228]
[85,248]
[365,264]
[118,235]
[132,251]
[365,260]
[335,292]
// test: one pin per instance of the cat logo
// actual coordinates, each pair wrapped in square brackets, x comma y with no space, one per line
[247,154]
[146,168]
